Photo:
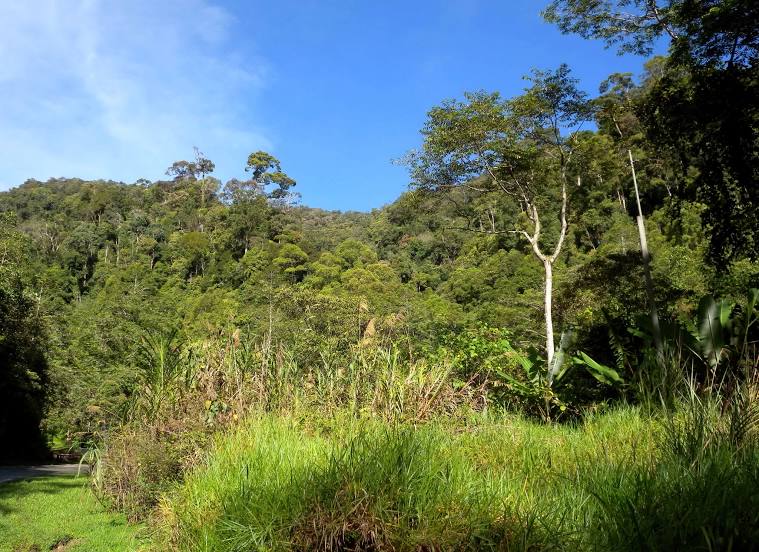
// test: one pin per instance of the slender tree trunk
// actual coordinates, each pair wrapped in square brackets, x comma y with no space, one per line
[548,260]
[548,307]
[655,328]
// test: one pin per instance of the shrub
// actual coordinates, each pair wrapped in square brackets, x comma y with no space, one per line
[138,464]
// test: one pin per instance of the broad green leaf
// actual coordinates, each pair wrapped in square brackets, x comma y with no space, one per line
[601,372]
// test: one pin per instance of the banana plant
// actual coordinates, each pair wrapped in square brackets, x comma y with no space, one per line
[723,330]
[600,372]
[714,328]
[719,338]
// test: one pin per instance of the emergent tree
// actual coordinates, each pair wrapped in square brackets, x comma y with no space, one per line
[517,149]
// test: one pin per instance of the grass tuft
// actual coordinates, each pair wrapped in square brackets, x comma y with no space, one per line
[618,481]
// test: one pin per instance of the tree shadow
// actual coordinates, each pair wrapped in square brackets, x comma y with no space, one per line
[26,488]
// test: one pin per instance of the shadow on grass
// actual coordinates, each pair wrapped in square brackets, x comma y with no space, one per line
[26,488]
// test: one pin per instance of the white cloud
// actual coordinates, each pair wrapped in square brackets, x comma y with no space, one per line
[103,89]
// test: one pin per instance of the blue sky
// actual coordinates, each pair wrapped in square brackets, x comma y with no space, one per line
[335,89]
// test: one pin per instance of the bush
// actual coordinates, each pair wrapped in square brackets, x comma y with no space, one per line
[139,464]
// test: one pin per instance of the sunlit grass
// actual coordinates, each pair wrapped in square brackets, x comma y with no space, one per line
[612,482]
[283,483]
[60,513]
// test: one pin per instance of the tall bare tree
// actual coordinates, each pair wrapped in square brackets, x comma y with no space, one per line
[517,148]
[616,112]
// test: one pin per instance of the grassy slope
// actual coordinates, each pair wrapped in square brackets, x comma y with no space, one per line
[37,514]
[503,484]
[621,481]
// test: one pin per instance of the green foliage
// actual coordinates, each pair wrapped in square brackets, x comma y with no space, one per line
[710,117]
[23,352]
[601,372]
[191,170]
[699,106]
[159,358]
[715,347]
[512,378]
[353,253]
[266,171]
[633,25]
[725,331]
[291,259]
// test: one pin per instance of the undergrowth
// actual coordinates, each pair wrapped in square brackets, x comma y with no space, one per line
[242,448]
[188,395]
[617,481]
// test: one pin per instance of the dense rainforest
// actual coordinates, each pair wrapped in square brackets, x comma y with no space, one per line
[557,253]
[90,268]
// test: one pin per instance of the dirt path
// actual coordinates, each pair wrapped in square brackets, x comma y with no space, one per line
[12,473]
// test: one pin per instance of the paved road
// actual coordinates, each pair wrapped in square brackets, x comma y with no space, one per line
[11,473]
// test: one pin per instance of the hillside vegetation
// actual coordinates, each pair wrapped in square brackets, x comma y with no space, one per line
[549,342]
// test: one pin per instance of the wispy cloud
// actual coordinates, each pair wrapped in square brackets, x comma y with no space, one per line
[119,90]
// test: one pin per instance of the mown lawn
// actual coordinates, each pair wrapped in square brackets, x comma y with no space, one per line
[60,513]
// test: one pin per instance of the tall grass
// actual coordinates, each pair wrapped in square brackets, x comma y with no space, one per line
[280,483]
[238,376]
[188,393]
[702,490]
[617,481]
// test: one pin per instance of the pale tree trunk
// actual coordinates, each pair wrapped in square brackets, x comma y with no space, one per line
[548,309]
[655,328]
[548,261]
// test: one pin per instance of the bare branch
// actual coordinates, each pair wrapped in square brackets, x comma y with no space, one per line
[563,233]
[532,213]
[655,10]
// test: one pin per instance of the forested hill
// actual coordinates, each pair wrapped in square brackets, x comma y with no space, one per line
[104,262]
[89,268]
